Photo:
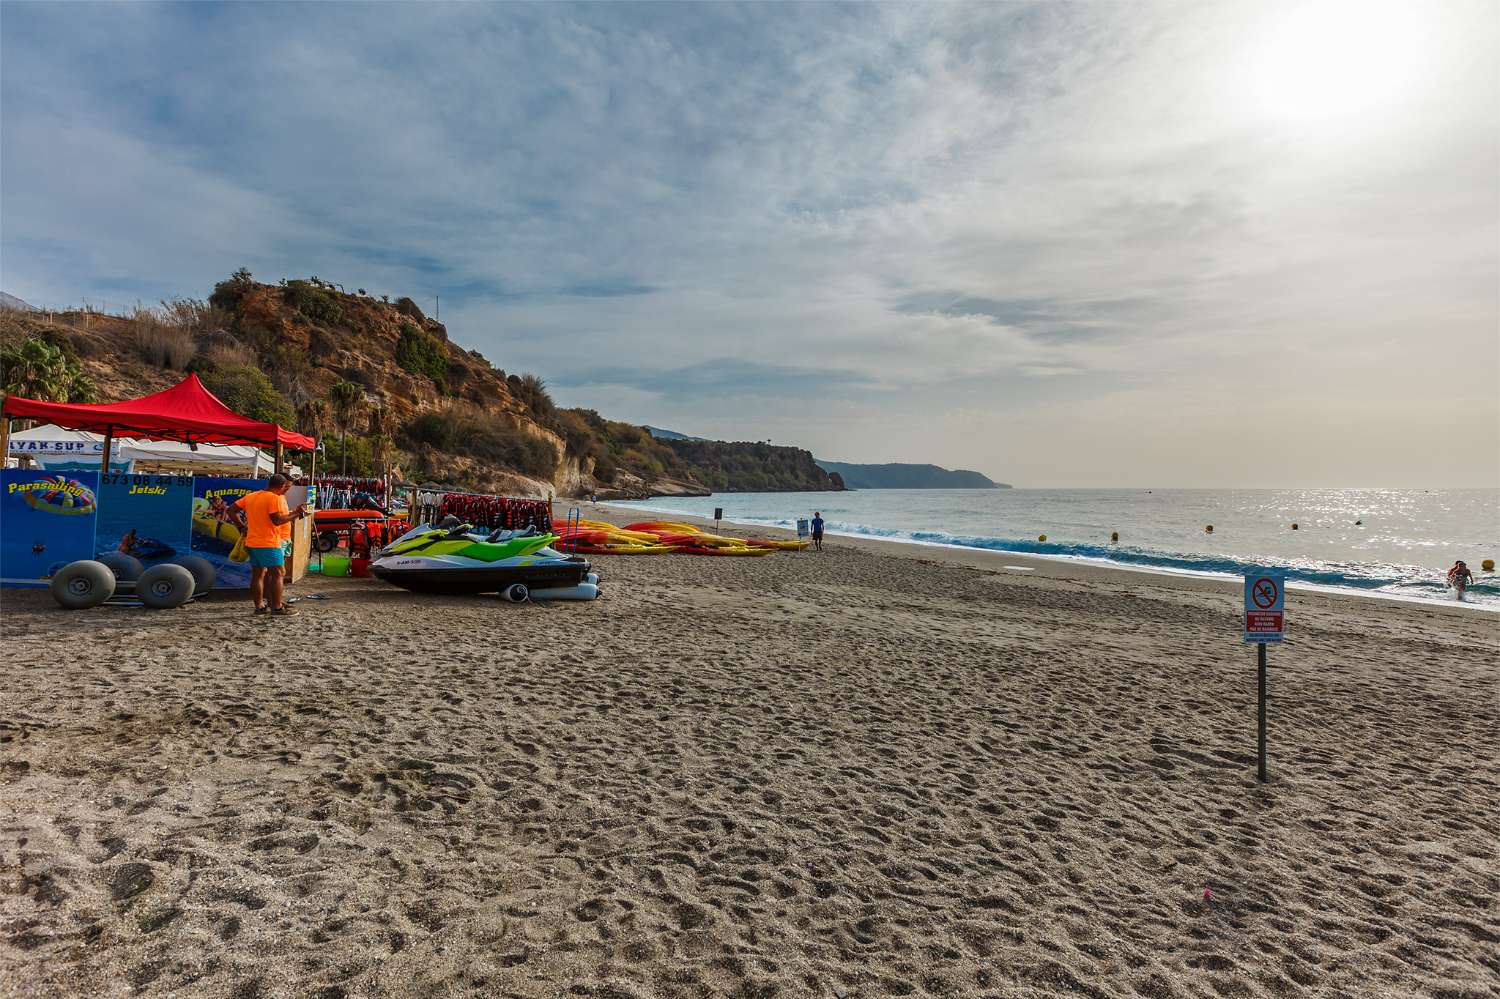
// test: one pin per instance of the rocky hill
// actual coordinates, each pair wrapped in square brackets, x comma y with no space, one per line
[382,385]
[905,476]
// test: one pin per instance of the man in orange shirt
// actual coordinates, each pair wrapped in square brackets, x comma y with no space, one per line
[265,519]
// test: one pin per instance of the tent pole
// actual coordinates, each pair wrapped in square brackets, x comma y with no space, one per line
[109,441]
[279,461]
[4,442]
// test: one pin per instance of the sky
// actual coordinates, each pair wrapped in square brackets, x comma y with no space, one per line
[1064,244]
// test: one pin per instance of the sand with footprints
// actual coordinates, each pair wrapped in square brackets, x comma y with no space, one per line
[878,771]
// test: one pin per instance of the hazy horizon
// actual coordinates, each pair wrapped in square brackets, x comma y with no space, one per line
[1085,245]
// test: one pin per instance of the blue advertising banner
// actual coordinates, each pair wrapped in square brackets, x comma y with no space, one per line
[118,467]
[46,521]
[215,534]
[148,516]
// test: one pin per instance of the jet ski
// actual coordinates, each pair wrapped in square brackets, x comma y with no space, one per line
[455,559]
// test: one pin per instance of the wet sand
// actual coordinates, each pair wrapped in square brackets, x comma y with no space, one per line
[878,770]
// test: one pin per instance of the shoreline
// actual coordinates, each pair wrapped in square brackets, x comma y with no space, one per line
[609,511]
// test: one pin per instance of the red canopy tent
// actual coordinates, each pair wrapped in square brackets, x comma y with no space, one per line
[186,412]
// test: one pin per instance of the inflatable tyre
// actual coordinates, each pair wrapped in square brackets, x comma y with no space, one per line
[127,568]
[164,586]
[82,584]
[326,542]
[201,568]
[516,593]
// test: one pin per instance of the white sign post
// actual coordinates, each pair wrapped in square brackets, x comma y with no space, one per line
[1265,621]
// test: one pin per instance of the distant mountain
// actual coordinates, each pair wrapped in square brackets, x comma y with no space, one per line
[899,476]
[669,435]
[12,302]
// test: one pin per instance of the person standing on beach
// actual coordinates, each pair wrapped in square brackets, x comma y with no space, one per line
[1459,577]
[817,531]
[263,515]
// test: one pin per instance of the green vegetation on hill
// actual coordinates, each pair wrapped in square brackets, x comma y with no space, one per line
[903,476]
[749,468]
[382,386]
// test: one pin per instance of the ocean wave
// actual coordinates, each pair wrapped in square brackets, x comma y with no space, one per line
[1381,579]
[1358,576]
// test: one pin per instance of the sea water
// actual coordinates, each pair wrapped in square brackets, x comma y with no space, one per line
[1387,542]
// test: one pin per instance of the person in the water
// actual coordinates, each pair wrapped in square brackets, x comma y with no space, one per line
[1459,577]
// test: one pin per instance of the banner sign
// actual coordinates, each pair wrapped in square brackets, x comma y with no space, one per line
[67,449]
[72,465]
[147,516]
[48,521]
[215,534]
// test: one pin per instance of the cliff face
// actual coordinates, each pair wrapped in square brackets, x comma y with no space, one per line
[903,476]
[423,406]
[745,468]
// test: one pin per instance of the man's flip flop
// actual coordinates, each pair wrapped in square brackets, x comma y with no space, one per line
[283,612]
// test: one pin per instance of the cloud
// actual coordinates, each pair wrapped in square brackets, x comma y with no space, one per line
[833,223]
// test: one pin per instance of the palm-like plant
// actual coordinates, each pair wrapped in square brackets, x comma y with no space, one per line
[346,399]
[36,370]
[381,447]
[312,416]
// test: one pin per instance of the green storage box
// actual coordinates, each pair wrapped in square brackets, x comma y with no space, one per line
[335,565]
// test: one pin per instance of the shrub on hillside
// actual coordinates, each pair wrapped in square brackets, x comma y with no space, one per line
[408,308]
[421,353]
[512,449]
[358,376]
[532,391]
[246,390]
[159,341]
[477,435]
[228,293]
[321,346]
[313,302]
[224,352]
[435,430]
[202,318]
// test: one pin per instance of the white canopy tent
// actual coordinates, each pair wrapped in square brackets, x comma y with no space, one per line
[48,445]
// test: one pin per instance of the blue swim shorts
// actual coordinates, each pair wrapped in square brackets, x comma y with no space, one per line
[266,558]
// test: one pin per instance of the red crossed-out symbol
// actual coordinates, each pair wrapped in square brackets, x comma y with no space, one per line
[1263,592]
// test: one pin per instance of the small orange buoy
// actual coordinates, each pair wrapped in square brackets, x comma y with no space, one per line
[1488,565]
[1041,537]
[1209,529]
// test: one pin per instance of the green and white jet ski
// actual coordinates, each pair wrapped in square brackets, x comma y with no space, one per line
[455,560]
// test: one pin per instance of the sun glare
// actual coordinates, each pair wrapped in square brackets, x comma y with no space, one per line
[1337,58]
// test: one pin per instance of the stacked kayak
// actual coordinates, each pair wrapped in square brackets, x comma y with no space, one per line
[695,541]
[594,537]
[659,537]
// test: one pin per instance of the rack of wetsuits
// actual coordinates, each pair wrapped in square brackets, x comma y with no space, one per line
[480,509]
[344,492]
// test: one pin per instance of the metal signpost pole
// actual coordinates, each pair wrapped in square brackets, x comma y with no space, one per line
[1261,721]
[1265,622]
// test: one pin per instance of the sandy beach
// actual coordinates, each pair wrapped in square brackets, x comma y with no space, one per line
[877,770]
